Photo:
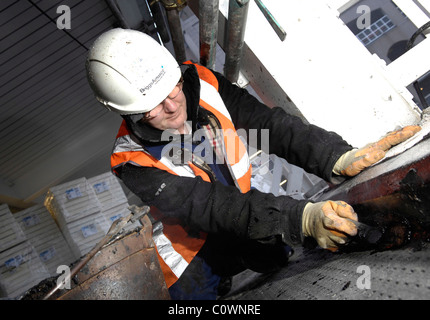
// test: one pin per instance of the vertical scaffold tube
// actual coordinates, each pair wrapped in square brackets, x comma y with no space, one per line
[237,16]
[208,30]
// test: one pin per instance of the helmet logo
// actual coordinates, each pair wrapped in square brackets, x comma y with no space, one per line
[153,81]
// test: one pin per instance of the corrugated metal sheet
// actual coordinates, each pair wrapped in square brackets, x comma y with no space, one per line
[51,127]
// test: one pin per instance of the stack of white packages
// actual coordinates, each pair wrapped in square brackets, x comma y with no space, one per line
[20,270]
[45,236]
[77,211]
[20,265]
[10,232]
[111,197]
[108,190]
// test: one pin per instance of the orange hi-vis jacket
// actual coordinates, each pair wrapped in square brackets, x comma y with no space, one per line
[175,247]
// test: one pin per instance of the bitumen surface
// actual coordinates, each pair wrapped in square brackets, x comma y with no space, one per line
[319,274]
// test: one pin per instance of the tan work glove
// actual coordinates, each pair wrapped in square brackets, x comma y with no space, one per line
[324,221]
[353,162]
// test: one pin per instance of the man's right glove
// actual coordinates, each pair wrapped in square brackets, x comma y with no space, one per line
[324,221]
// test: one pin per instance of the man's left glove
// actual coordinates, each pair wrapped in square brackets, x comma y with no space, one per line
[327,222]
[354,161]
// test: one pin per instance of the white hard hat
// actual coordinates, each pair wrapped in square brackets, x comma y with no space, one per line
[130,72]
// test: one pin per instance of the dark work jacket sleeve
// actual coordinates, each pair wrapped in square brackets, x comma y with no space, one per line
[307,146]
[216,208]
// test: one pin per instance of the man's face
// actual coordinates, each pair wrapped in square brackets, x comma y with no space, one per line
[171,113]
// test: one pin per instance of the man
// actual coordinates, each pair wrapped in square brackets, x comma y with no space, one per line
[210,223]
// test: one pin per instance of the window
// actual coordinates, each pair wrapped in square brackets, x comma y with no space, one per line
[375,30]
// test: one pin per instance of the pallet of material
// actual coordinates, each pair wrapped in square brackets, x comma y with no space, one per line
[20,269]
[77,212]
[83,234]
[112,198]
[72,200]
[108,190]
[45,236]
[10,232]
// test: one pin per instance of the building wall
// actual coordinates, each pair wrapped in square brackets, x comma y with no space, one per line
[393,42]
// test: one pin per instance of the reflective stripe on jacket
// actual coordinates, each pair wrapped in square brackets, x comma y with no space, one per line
[175,247]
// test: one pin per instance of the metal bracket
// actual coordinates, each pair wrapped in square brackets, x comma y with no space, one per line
[242,81]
